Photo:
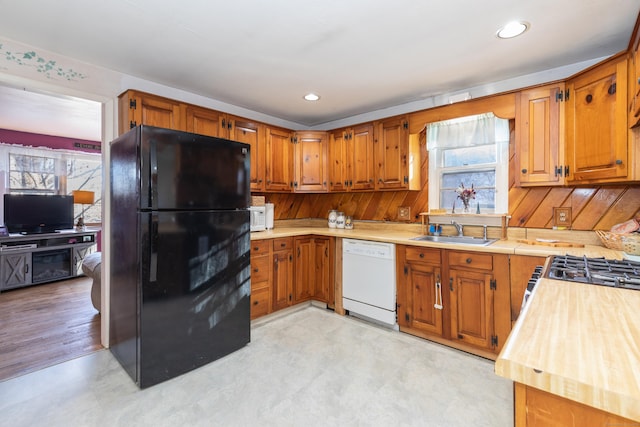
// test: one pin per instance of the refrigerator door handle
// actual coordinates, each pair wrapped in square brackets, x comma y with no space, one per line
[153,248]
[153,179]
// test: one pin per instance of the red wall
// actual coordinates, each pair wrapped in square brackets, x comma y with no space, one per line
[37,140]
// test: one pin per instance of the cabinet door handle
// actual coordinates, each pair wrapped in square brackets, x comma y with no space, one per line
[438,297]
[451,284]
[421,255]
[523,171]
[26,269]
[468,260]
[618,162]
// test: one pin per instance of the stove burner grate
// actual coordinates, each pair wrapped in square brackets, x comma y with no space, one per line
[598,271]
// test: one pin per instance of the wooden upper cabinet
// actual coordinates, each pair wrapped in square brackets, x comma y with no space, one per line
[634,78]
[360,157]
[138,108]
[597,133]
[351,159]
[205,122]
[540,136]
[391,153]
[338,178]
[278,160]
[253,134]
[311,169]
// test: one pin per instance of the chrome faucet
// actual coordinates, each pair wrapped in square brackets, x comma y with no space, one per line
[458,227]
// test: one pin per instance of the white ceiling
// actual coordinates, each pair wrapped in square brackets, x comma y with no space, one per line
[47,114]
[358,55]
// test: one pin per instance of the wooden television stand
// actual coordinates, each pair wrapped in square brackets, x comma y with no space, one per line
[31,259]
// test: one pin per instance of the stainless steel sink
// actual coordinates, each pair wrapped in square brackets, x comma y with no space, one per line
[466,240]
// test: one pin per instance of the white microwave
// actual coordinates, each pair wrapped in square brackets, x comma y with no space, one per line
[258,218]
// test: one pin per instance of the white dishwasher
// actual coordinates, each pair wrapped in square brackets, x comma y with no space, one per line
[369,280]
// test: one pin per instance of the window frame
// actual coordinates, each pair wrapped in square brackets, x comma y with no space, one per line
[501,165]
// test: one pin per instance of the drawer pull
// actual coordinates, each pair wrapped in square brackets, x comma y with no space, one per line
[282,245]
[255,303]
[255,270]
[468,260]
[255,248]
[421,255]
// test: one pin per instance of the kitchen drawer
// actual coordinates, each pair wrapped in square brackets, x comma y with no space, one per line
[282,243]
[260,268]
[260,300]
[419,254]
[260,247]
[471,260]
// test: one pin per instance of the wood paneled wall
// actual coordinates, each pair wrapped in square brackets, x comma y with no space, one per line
[592,208]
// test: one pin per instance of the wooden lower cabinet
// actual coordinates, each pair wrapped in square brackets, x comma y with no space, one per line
[472,289]
[261,277]
[421,293]
[521,268]
[480,298]
[287,270]
[313,268]
[537,408]
[282,273]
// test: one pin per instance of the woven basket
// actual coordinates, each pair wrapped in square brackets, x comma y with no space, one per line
[631,243]
[611,240]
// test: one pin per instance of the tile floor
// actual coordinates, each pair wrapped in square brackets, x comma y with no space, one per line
[309,367]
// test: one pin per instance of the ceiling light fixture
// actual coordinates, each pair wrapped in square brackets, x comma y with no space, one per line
[311,97]
[512,29]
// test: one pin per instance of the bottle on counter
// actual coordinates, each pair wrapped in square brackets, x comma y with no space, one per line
[340,220]
[348,223]
[333,216]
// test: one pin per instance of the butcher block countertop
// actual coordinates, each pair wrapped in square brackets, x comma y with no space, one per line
[402,234]
[580,342]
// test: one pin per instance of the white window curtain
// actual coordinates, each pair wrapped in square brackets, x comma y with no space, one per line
[482,129]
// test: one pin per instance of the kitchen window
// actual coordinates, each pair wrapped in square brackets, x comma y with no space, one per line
[468,151]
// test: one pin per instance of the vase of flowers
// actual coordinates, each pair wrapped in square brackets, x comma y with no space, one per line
[465,194]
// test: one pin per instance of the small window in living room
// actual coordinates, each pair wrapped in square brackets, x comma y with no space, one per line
[468,151]
[32,174]
[41,170]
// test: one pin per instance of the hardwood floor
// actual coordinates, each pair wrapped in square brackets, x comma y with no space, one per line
[46,324]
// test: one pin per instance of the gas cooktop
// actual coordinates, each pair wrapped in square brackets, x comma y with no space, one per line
[597,271]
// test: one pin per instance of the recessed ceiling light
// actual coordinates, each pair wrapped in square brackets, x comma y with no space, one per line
[512,29]
[311,97]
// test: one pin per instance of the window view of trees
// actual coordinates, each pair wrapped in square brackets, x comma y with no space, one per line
[44,171]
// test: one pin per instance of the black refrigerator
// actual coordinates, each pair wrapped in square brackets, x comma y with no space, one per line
[180,273]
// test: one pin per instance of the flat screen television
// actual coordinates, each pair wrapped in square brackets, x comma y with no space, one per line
[34,213]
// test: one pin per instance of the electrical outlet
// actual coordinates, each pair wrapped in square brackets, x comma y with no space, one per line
[562,217]
[404,213]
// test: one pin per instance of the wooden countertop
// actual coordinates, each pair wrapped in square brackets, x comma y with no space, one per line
[581,342]
[386,233]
